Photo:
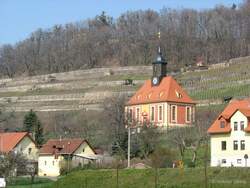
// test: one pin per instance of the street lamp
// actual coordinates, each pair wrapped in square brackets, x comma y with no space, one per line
[129,142]
[245,157]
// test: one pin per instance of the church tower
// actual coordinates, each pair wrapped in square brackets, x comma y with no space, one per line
[159,67]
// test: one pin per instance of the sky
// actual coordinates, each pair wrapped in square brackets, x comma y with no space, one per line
[19,18]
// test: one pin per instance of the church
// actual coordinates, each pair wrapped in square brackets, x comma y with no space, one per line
[161,101]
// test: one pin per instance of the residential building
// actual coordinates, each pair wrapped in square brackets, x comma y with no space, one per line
[230,136]
[57,153]
[161,101]
[20,142]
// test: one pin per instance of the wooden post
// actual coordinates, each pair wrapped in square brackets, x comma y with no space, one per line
[205,163]
[117,175]
[156,177]
[129,147]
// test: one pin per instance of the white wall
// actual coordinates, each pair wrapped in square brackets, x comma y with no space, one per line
[23,147]
[46,167]
[232,156]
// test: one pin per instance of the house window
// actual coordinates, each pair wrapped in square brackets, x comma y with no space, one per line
[45,163]
[235,145]
[188,114]
[223,145]
[173,113]
[235,126]
[239,161]
[222,124]
[223,161]
[152,113]
[160,113]
[242,125]
[53,163]
[137,114]
[30,149]
[242,144]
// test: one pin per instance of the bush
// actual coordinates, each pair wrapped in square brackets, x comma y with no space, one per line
[162,157]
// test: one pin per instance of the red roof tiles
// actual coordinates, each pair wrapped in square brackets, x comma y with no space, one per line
[242,105]
[9,140]
[167,90]
[64,146]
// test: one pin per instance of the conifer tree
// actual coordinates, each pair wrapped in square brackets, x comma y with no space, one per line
[32,124]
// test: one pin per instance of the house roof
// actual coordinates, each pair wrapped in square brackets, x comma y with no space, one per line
[9,140]
[62,146]
[236,105]
[168,90]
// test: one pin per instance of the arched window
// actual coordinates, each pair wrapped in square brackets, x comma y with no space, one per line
[173,113]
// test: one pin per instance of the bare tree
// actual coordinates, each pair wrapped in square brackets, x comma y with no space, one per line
[216,34]
[12,163]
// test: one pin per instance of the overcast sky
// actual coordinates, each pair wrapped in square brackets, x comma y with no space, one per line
[18,18]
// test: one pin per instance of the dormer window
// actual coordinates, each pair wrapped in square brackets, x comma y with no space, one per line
[222,124]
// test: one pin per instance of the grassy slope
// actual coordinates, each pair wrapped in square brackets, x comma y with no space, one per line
[175,178]
[24,182]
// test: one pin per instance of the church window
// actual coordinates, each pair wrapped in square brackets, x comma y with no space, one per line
[152,113]
[188,114]
[137,114]
[160,113]
[173,113]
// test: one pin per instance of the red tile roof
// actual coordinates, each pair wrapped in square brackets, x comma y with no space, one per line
[63,146]
[242,105]
[168,90]
[9,140]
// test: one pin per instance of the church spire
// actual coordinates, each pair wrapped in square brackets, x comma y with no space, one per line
[159,65]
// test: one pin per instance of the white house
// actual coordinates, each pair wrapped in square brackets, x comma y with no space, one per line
[230,136]
[54,155]
[20,142]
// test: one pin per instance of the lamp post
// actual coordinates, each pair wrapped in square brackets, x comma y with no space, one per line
[245,157]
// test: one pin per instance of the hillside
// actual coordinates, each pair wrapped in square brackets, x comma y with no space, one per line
[213,35]
[86,89]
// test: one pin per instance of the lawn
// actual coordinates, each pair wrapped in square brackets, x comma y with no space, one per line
[167,178]
[25,182]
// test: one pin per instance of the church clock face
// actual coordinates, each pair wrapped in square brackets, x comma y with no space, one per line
[155,81]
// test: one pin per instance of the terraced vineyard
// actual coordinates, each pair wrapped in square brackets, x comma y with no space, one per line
[83,89]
